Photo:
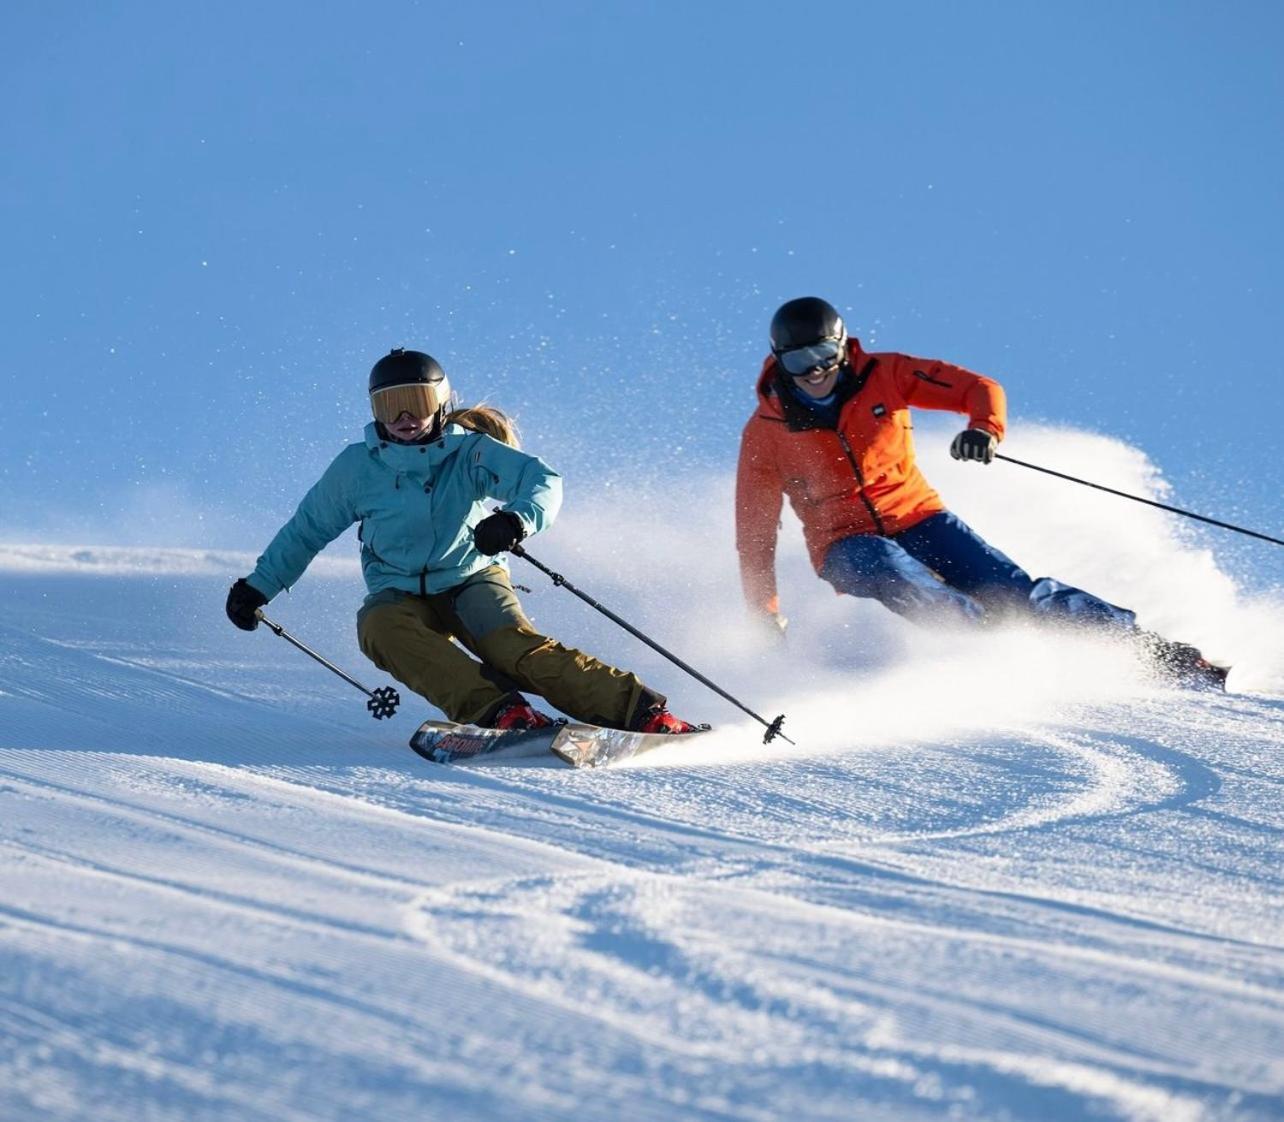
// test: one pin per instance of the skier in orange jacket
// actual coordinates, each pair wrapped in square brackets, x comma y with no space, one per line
[832,431]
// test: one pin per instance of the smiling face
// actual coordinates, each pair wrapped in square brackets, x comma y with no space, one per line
[819,381]
[814,366]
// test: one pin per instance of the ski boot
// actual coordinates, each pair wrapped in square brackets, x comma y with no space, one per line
[1180,664]
[519,716]
[661,720]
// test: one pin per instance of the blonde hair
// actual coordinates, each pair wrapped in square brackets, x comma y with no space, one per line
[489,420]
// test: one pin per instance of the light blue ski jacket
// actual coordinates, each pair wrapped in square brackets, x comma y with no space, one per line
[417,505]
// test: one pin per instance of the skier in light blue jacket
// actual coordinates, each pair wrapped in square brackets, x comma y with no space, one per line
[416,485]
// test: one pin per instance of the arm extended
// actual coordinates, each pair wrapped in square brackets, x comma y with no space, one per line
[759,499]
[325,512]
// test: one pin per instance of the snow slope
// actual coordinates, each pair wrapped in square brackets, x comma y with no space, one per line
[1000,879]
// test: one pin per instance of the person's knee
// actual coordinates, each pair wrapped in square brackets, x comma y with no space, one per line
[505,648]
[396,635]
[872,567]
[487,603]
[881,570]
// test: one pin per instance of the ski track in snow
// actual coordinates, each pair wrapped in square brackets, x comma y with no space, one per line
[202,919]
[1053,892]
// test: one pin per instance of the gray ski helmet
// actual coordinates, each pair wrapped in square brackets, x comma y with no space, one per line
[804,322]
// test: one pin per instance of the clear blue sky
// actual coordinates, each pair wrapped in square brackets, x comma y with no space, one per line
[218,216]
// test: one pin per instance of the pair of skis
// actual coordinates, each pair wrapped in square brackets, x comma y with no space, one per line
[578,745]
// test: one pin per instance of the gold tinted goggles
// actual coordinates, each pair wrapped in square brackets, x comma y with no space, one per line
[421,400]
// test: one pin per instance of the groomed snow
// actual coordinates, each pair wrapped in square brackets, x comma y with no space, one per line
[1000,877]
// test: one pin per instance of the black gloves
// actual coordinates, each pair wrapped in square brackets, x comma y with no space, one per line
[974,444]
[498,532]
[243,601]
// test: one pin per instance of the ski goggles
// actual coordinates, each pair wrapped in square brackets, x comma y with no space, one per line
[419,399]
[801,359]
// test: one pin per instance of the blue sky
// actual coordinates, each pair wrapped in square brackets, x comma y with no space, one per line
[219,216]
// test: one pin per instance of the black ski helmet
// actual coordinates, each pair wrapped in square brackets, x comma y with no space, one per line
[408,381]
[400,367]
[804,322]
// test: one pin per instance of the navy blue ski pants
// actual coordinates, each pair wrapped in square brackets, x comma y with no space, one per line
[942,571]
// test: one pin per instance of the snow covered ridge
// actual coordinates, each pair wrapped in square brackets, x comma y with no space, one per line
[109,560]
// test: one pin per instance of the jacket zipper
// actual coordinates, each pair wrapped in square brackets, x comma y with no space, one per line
[860,481]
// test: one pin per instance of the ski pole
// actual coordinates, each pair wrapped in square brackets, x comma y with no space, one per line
[383,701]
[773,727]
[1139,499]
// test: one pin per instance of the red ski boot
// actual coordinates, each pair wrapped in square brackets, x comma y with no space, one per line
[661,720]
[519,716]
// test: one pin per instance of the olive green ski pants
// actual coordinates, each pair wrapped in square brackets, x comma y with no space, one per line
[410,637]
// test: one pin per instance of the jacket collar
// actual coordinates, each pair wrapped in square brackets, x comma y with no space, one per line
[404,457]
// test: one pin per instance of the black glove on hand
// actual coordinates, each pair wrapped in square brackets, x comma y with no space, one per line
[498,532]
[974,444]
[242,603]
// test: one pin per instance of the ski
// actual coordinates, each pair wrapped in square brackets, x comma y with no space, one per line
[579,745]
[593,746]
[443,742]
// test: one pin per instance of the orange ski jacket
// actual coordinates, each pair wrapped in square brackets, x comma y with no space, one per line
[858,478]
